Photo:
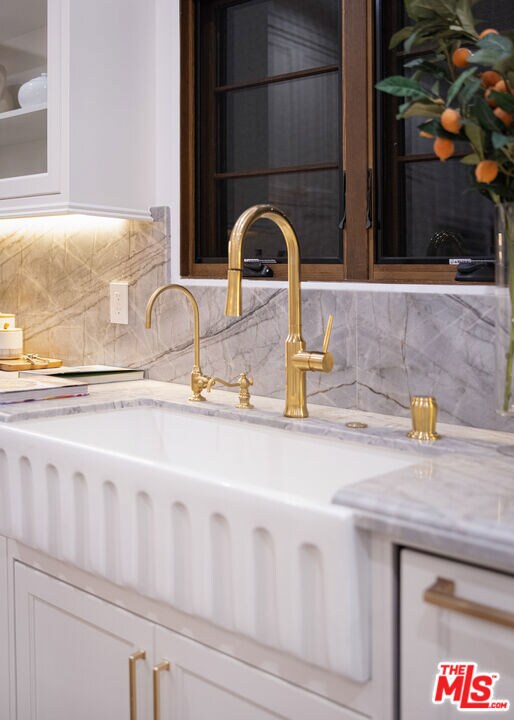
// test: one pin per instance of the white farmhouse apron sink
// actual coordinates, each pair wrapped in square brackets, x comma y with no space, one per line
[228,521]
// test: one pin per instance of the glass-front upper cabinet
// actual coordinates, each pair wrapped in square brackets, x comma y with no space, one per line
[23,88]
[77,107]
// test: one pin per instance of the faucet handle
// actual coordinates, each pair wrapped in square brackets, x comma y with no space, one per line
[318,361]
[328,332]
[243,383]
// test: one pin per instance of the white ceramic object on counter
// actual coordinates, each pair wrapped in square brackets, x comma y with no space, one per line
[11,343]
[6,98]
[33,92]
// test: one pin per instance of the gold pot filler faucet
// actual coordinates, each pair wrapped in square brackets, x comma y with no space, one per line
[298,359]
[199,381]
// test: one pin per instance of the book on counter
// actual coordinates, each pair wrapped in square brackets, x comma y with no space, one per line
[92,374]
[14,390]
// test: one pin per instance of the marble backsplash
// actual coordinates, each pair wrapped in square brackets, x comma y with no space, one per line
[386,345]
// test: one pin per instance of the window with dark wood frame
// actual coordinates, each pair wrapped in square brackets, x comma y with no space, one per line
[373,167]
[426,211]
[210,93]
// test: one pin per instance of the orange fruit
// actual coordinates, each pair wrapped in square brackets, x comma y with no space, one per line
[488,31]
[490,78]
[460,57]
[504,116]
[425,134]
[451,120]
[443,148]
[486,171]
[501,86]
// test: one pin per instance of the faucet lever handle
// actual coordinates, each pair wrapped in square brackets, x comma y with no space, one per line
[317,361]
[328,331]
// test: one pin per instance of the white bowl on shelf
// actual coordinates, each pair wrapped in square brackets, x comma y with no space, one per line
[33,92]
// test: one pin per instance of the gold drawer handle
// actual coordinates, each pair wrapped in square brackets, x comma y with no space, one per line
[442,594]
[161,667]
[140,655]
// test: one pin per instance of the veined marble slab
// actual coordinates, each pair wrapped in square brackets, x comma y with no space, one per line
[387,345]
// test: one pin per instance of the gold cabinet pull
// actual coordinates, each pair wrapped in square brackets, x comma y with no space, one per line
[161,667]
[140,655]
[442,594]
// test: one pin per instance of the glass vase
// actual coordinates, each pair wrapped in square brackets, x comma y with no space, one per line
[505,308]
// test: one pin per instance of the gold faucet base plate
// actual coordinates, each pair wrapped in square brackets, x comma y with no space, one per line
[197,398]
[421,435]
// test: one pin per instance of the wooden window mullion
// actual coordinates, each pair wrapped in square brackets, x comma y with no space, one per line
[355,137]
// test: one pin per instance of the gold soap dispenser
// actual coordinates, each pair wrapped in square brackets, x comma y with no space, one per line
[424,418]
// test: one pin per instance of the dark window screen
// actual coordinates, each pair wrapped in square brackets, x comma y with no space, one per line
[269,124]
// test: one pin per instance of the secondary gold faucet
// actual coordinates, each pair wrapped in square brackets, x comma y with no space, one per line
[199,381]
[298,360]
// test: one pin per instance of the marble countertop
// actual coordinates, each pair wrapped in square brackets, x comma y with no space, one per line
[456,498]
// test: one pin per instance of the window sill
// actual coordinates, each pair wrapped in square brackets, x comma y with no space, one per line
[428,289]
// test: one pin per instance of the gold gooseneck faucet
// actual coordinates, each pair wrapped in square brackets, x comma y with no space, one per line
[199,381]
[298,360]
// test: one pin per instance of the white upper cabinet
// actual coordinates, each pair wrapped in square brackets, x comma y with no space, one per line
[91,147]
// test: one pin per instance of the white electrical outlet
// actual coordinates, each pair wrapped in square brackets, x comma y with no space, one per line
[119,302]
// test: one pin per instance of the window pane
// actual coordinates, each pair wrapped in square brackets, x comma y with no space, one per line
[438,218]
[281,125]
[497,14]
[426,208]
[310,200]
[270,37]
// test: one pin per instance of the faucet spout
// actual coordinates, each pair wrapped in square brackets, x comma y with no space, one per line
[198,380]
[298,361]
[235,262]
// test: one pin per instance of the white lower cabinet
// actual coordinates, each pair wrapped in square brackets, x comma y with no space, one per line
[457,614]
[72,655]
[203,684]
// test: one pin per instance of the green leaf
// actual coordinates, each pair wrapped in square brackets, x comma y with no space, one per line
[401,36]
[424,31]
[428,9]
[420,108]
[470,90]
[475,135]
[466,18]
[401,87]
[492,50]
[485,116]
[427,67]
[471,159]
[457,85]
[435,128]
[500,140]
[504,100]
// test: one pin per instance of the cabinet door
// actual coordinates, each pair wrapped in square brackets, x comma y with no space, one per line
[72,653]
[204,684]
[31,136]
[437,627]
